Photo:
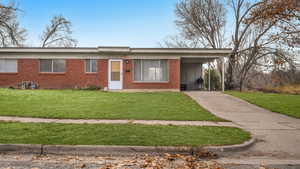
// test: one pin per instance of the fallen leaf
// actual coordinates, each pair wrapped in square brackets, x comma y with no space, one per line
[82,166]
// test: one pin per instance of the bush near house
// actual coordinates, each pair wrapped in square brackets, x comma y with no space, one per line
[215,83]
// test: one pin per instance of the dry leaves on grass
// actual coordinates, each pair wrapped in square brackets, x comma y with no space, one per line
[108,166]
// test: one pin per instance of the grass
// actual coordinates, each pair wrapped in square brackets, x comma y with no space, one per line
[287,104]
[118,134]
[79,104]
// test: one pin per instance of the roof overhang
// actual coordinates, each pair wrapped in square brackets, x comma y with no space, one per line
[47,50]
[179,52]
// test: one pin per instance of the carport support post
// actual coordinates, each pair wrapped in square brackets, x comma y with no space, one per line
[223,74]
[208,76]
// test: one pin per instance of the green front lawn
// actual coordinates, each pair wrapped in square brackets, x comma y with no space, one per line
[78,104]
[118,134]
[282,103]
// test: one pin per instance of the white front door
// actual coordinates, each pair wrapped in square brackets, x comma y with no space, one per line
[115,77]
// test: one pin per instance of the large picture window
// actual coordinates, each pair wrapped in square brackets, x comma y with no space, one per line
[52,65]
[90,65]
[8,66]
[150,70]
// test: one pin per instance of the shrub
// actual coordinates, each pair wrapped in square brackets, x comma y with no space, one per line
[215,83]
[289,89]
[92,87]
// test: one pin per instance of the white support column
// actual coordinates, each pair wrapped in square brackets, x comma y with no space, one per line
[203,77]
[209,76]
[223,74]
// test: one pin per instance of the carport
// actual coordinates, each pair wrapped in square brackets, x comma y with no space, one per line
[191,68]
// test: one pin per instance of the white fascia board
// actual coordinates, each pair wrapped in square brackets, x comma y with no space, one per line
[207,56]
[110,52]
[50,56]
[48,50]
[114,49]
[181,51]
[153,56]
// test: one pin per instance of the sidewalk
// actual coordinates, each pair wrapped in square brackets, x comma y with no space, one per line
[278,135]
[94,121]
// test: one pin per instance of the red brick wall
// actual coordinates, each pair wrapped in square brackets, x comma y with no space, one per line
[173,83]
[75,76]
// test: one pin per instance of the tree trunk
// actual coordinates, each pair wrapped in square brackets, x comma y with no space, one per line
[241,84]
[229,79]
[242,80]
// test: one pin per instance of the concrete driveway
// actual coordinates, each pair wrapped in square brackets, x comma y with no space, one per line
[278,135]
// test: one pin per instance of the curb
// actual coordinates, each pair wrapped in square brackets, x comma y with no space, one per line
[113,150]
[232,148]
[116,150]
[21,148]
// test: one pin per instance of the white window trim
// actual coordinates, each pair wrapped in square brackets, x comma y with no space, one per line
[141,81]
[52,66]
[90,71]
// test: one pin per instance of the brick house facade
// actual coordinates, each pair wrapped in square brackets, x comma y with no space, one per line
[111,67]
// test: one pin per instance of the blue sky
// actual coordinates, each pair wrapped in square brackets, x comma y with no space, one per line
[134,23]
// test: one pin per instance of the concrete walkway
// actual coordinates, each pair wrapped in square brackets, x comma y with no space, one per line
[84,121]
[278,135]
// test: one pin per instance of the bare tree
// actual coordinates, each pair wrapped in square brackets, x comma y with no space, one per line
[10,32]
[201,24]
[265,33]
[258,28]
[58,33]
[176,41]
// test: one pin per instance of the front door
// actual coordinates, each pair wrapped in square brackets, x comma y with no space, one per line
[115,79]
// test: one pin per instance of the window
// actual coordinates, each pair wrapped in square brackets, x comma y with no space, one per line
[151,70]
[52,65]
[8,66]
[90,65]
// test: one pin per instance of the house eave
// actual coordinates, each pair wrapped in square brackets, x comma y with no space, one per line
[124,51]
[181,50]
